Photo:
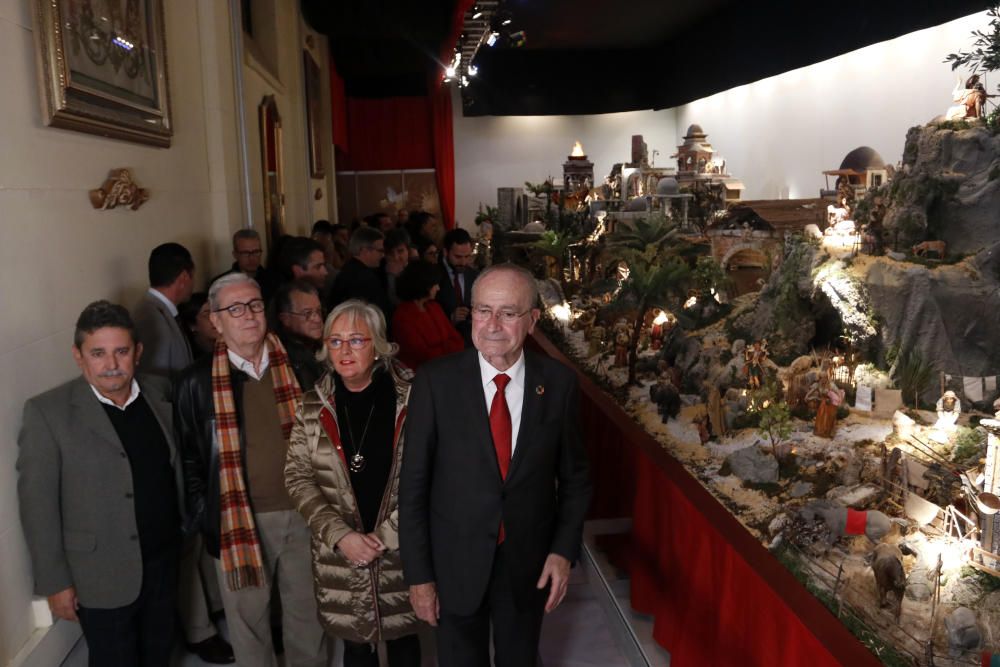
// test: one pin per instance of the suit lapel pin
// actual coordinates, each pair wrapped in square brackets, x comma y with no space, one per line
[540,390]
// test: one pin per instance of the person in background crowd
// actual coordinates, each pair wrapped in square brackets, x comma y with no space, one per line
[488,541]
[166,352]
[171,282]
[299,325]
[302,258]
[418,225]
[402,215]
[248,253]
[342,473]
[322,233]
[422,330]
[359,278]
[197,321]
[428,251]
[234,413]
[397,256]
[99,487]
[381,221]
[457,277]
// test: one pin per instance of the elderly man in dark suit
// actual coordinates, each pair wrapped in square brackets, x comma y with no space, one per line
[494,485]
[99,485]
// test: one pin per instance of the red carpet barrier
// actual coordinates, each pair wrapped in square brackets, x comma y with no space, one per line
[717,596]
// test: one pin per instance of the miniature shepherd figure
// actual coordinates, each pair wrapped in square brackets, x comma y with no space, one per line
[826,396]
[948,409]
[755,358]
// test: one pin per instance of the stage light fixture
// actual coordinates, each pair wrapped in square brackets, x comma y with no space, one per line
[492,39]
[473,70]
[477,12]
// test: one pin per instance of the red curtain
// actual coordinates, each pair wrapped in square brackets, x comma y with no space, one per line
[388,133]
[338,108]
[444,153]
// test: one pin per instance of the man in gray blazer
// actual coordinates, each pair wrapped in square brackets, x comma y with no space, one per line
[166,348]
[99,486]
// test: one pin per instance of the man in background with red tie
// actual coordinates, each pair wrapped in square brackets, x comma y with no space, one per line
[494,485]
[457,276]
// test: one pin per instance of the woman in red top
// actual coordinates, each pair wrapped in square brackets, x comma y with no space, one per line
[419,325]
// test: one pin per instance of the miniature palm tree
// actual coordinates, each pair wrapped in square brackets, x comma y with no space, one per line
[656,274]
[555,245]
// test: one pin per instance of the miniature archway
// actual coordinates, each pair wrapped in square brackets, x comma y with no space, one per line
[744,256]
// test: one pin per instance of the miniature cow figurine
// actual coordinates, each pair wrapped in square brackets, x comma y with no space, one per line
[887,564]
[921,249]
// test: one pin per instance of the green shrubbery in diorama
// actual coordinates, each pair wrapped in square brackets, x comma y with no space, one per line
[910,372]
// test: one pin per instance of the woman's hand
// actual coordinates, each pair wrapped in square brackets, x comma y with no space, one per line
[360,549]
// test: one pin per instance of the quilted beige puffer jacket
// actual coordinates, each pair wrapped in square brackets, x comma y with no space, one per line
[357,604]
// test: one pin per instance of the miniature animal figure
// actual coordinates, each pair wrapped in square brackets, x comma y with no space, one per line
[666,397]
[963,631]
[921,249]
[844,521]
[887,564]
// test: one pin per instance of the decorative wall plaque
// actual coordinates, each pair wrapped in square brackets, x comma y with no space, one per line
[119,190]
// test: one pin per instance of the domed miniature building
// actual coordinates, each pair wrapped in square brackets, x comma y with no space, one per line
[862,159]
[667,186]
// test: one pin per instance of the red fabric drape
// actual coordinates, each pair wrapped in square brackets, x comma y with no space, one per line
[716,595]
[388,133]
[444,153]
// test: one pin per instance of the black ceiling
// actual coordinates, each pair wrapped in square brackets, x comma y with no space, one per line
[615,55]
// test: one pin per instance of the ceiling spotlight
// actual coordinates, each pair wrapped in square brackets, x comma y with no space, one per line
[492,39]
[465,81]
[477,12]
[505,22]
[473,70]
[449,72]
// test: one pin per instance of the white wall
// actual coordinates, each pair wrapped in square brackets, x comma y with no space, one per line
[57,254]
[505,151]
[777,135]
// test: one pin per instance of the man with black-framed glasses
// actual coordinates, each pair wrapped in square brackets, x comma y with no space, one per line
[248,253]
[234,412]
[299,324]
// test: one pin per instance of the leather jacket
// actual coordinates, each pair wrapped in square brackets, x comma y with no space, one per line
[194,417]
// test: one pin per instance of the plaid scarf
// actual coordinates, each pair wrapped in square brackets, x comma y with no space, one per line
[239,544]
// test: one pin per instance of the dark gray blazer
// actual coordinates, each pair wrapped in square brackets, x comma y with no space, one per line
[165,348]
[75,489]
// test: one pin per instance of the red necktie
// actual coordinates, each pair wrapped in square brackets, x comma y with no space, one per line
[500,428]
[458,291]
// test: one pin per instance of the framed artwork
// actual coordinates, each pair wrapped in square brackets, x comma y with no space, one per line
[314,114]
[102,68]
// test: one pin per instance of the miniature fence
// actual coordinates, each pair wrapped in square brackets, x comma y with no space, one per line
[716,595]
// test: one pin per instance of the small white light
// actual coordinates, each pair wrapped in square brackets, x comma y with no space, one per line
[473,70]
[505,22]
[465,81]
[449,72]
[492,39]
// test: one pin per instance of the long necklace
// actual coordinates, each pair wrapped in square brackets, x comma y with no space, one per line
[357,462]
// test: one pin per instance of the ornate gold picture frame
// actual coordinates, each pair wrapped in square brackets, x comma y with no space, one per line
[102,67]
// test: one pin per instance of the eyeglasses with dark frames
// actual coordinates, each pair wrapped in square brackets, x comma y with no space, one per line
[239,309]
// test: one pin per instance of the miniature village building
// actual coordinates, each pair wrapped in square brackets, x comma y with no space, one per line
[752,234]
[861,169]
[698,164]
[578,171]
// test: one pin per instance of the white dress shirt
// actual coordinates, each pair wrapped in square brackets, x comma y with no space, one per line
[514,392]
[171,308]
[247,366]
[107,401]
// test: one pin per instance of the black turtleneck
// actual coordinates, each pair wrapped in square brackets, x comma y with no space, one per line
[378,399]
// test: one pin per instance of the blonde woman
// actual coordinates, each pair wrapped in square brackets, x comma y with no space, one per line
[342,474]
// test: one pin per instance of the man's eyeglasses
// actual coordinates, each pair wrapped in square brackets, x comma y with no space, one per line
[505,315]
[250,253]
[307,314]
[238,309]
[355,343]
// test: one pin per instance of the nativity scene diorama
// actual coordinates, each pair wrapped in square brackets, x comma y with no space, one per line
[826,367]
